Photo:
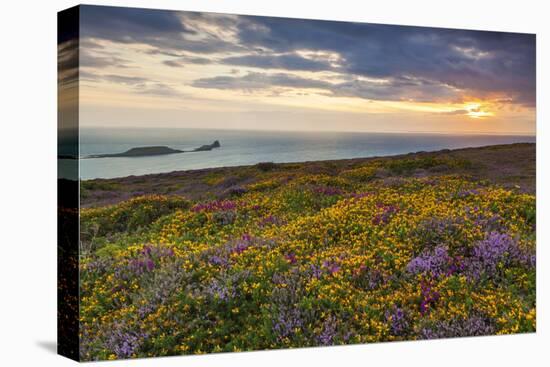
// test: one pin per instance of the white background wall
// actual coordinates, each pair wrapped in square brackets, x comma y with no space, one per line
[28,181]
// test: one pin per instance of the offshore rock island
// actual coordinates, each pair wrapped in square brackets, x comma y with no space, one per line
[156,150]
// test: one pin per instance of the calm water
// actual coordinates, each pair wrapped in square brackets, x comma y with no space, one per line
[250,147]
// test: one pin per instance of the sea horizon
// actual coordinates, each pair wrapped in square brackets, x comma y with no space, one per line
[247,147]
[412,132]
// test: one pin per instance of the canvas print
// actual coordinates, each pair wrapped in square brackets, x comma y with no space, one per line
[235,183]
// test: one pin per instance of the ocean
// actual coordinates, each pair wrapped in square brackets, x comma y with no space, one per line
[240,147]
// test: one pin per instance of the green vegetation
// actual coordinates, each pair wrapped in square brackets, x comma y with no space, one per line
[308,254]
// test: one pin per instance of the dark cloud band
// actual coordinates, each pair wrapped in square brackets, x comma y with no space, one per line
[424,64]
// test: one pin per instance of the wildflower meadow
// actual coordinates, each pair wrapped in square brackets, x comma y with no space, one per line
[300,256]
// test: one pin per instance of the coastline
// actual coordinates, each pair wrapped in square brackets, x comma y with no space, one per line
[241,148]
[508,165]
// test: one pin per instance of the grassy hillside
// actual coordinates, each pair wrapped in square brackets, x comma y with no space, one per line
[419,246]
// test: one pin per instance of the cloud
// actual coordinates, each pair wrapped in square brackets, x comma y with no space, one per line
[160,90]
[91,60]
[183,60]
[90,44]
[390,90]
[129,25]
[454,112]
[426,63]
[165,30]
[474,61]
[395,90]
[126,80]
[67,54]
[67,63]
[136,84]
[285,61]
[173,63]
[258,81]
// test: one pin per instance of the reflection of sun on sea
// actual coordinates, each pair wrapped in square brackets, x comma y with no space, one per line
[475,111]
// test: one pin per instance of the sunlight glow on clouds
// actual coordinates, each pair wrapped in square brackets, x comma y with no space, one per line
[217,70]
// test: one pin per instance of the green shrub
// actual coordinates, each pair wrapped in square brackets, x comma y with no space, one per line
[127,216]
[408,165]
[266,166]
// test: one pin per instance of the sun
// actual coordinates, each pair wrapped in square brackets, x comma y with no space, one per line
[477,111]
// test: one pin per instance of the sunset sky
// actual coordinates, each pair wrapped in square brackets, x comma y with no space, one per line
[149,68]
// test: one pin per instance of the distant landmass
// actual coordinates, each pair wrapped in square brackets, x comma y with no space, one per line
[156,150]
[215,144]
